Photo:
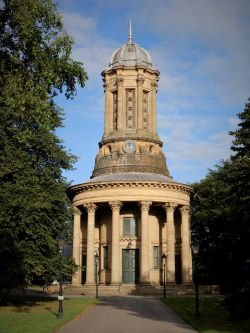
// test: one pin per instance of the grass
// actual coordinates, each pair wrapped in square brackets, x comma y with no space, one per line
[214,318]
[29,315]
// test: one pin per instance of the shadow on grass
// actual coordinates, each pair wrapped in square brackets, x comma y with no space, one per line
[214,317]
[29,303]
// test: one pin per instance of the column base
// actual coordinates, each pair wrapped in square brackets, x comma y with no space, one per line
[76,284]
[90,284]
[115,283]
[145,283]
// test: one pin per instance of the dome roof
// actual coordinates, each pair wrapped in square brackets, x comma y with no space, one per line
[131,176]
[130,55]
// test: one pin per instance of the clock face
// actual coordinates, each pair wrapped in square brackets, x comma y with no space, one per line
[129,147]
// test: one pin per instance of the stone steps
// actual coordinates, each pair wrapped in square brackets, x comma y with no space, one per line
[109,290]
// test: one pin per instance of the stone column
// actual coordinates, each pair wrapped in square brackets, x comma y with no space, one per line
[76,246]
[101,259]
[170,207]
[152,122]
[140,81]
[91,208]
[115,257]
[120,113]
[144,255]
[185,248]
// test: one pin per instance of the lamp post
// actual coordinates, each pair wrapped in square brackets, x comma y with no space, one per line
[96,274]
[61,244]
[195,250]
[164,258]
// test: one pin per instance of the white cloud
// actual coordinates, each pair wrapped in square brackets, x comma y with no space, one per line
[202,50]
[91,47]
[204,46]
[193,144]
[80,27]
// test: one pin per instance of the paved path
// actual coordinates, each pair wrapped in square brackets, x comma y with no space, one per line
[128,314]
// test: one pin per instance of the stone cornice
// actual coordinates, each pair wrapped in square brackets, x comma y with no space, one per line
[114,69]
[92,186]
[126,136]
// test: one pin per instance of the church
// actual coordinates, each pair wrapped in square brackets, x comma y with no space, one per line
[131,214]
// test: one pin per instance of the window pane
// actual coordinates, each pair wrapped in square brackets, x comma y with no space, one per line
[130,226]
[126,226]
[156,257]
[105,257]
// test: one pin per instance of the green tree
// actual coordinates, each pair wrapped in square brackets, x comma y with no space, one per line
[221,215]
[35,66]
[241,143]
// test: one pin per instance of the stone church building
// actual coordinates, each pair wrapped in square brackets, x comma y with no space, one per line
[131,212]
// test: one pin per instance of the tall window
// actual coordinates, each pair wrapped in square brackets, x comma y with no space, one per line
[156,257]
[105,257]
[130,226]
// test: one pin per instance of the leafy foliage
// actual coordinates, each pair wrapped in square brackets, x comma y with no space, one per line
[35,66]
[221,215]
[238,303]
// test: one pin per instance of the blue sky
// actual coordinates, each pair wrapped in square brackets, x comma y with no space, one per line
[202,50]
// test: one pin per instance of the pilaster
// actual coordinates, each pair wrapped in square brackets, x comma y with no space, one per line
[140,81]
[154,86]
[120,113]
[107,114]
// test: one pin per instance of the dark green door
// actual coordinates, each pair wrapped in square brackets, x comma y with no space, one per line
[130,266]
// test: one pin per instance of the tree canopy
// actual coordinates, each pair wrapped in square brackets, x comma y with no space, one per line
[35,66]
[221,214]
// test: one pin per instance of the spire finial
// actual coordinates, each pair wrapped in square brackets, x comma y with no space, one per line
[130,32]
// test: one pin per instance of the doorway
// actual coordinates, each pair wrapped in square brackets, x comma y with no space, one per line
[130,266]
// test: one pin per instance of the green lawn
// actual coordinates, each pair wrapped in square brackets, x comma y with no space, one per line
[39,315]
[213,316]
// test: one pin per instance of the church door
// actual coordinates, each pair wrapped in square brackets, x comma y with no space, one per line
[130,265]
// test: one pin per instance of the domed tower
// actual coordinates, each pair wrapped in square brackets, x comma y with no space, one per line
[131,212]
[130,141]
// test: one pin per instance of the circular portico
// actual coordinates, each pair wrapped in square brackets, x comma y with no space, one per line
[138,215]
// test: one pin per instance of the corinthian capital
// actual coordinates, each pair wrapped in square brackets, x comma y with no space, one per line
[184,210]
[105,87]
[76,211]
[119,80]
[154,85]
[145,205]
[90,207]
[140,80]
[115,205]
[170,206]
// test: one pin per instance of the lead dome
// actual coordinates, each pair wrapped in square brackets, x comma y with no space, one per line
[130,55]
